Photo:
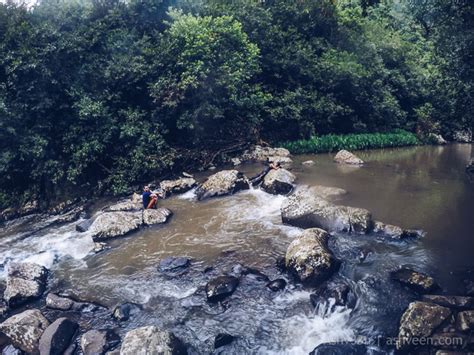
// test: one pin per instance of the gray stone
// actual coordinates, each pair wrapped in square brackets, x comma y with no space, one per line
[346,157]
[308,210]
[221,287]
[151,340]
[284,162]
[24,330]
[25,282]
[156,216]
[465,321]
[178,186]
[11,350]
[457,302]
[84,226]
[124,206]
[309,258]
[326,192]
[224,182]
[420,320]
[57,337]
[123,311]
[308,163]
[278,181]
[171,264]
[437,139]
[61,303]
[259,153]
[416,281]
[96,342]
[115,224]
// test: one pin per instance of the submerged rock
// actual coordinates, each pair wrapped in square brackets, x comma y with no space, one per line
[420,320]
[123,311]
[158,216]
[339,294]
[222,339]
[115,224]
[307,210]
[309,258]
[416,281]
[340,349]
[346,157]
[151,340]
[326,192]
[221,287]
[84,226]
[278,181]
[173,264]
[57,337]
[24,330]
[98,341]
[177,186]
[277,285]
[25,282]
[224,182]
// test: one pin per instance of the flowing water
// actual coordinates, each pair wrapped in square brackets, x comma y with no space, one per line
[420,187]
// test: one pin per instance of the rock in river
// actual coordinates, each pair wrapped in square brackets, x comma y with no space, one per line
[158,216]
[420,320]
[172,264]
[416,281]
[56,302]
[465,321]
[98,341]
[25,329]
[115,224]
[457,302]
[222,339]
[346,157]
[279,181]
[57,337]
[221,287]
[345,348]
[259,153]
[151,340]
[25,282]
[306,209]
[177,186]
[123,311]
[309,259]
[277,285]
[224,182]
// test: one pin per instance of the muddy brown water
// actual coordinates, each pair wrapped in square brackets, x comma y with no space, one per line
[419,187]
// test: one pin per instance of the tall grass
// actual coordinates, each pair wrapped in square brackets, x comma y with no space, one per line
[333,142]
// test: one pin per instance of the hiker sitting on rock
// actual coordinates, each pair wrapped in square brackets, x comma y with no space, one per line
[257,179]
[149,198]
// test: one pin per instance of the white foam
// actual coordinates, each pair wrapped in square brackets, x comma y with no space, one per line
[188,195]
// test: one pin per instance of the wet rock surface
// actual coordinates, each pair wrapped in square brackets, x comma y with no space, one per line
[24,330]
[123,311]
[174,264]
[456,302]
[334,294]
[221,287]
[156,216]
[98,341]
[84,226]
[178,186]
[151,340]
[60,303]
[115,224]
[414,280]
[420,320]
[225,182]
[346,157]
[307,210]
[340,349]
[25,282]
[465,321]
[278,182]
[57,337]
[222,339]
[309,258]
[277,285]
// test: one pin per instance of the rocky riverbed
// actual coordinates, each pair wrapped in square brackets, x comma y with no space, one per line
[243,299]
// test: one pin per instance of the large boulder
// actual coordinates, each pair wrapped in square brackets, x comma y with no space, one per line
[262,154]
[24,330]
[57,337]
[115,224]
[278,181]
[308,210]
[346,157]
[309,258]
[420,320]
[97,342]
[25,282]
[124,206]
[414,280]
[151,340]
[158,216]
[177,186]
[224,182]
[221,287]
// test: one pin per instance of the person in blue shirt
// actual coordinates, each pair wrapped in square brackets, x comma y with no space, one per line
[149,199]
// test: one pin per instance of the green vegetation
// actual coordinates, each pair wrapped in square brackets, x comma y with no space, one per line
[98,95]
[333,142]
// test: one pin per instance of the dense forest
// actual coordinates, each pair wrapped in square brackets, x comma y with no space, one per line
[97,95]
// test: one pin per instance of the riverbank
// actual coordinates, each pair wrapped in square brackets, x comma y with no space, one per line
[335,142]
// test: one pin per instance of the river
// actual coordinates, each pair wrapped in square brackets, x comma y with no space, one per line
[419,187]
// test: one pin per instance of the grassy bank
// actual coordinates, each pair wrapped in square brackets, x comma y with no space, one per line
[333,142]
